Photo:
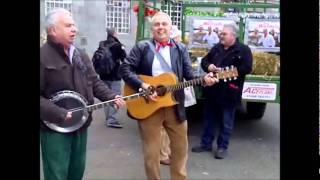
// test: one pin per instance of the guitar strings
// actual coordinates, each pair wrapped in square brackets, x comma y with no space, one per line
[185,84]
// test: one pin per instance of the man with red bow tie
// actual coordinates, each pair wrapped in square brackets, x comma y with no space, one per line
[154,57]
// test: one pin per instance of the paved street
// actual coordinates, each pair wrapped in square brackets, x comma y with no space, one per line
[253,152]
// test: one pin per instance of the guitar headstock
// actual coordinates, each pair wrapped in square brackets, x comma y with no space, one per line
[228,73]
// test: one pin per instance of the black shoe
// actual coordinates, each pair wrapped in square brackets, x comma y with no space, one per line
[221,153]
[199,149]
[114,124]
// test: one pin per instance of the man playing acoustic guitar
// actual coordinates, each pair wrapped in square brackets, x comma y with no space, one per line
[152,58]
[221,100]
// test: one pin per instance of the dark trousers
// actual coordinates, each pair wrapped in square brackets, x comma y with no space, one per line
[63,155]
[217,117]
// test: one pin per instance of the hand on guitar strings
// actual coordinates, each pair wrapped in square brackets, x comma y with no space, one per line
[210,79]
[119,102]
[68,116]
[151,93]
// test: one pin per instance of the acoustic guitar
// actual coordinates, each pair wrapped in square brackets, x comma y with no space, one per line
[164,85]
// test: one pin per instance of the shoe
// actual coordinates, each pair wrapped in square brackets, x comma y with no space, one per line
[114,124]
[165,162]
[221,153]
[199,149]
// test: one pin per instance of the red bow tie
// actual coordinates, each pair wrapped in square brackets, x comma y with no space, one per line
[164,44]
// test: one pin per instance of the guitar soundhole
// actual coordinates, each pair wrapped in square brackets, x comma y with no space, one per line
[161,90]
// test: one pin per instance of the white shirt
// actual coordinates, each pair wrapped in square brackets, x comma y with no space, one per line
[156,66]
[267,41]
[71,50]
[212,39]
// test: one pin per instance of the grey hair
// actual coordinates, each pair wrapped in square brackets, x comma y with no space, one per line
[160,13]
[51,17]
[111,31]
[234,28]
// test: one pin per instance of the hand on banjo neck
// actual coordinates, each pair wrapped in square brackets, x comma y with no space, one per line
[118,103]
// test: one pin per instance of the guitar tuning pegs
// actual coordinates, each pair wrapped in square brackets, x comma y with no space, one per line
[225,80]
[227,70]
[234,78]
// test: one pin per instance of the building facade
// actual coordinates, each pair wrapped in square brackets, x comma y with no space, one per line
[93,17]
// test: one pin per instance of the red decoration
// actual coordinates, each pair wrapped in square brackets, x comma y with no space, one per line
[147,11]
[136,8]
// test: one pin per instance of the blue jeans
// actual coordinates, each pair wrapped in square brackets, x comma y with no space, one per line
[216,116]
[110,111]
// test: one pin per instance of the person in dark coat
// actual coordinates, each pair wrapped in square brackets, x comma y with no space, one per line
[221,100]
[112,78]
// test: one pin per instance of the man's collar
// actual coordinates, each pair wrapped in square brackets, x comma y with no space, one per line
[58,46]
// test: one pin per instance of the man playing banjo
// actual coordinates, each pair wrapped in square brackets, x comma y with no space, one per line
[64,67]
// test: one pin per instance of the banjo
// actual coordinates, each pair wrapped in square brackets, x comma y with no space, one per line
[77,104]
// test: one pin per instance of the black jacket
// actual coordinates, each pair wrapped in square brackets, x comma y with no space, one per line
[118,55]
[239,55]
[139,62]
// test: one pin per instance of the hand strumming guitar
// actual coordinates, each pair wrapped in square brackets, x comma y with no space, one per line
[147,87]
[68,116]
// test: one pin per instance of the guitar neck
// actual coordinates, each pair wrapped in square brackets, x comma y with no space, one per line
[111,102]
[185,84]
[227,74]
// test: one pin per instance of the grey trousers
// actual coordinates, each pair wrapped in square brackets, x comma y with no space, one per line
[110,111]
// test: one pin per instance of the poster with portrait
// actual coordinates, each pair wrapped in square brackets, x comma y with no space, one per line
[262,34]
[204,31]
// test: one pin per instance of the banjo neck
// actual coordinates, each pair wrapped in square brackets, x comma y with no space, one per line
[96,106]
[77,104]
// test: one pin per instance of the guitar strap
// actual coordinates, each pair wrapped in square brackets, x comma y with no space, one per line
[165,66]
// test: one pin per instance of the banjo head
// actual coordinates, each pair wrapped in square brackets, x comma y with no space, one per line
[70,101]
